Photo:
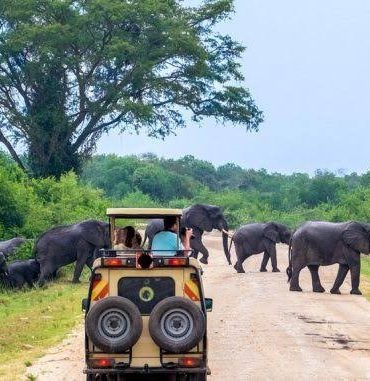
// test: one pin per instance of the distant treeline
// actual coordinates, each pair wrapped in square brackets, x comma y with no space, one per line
[245,194]
[30,206]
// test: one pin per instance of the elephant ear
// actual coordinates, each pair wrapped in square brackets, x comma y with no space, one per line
[271,233]
[199,216]
[94,232]
[357,238]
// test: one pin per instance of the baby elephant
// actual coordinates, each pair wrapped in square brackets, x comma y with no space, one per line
[259,238]
[18,273]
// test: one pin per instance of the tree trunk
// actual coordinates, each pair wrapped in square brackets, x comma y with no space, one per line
[50,134]
[45,160]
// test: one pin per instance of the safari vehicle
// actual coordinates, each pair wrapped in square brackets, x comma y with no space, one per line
[145,315]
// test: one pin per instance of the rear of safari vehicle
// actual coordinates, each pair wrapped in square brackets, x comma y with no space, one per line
[145,317]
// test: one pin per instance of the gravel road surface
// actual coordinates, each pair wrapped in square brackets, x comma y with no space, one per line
[258,330]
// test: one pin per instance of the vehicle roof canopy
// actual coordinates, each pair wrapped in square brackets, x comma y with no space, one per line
[143,212]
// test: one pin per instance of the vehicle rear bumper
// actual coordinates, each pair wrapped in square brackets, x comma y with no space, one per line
[133,370]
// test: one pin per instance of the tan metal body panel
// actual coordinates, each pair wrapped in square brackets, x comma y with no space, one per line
[145,351]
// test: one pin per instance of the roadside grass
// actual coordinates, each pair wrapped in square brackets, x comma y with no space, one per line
[365,276]
[32,320]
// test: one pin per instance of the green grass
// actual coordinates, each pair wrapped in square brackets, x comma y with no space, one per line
[34,319]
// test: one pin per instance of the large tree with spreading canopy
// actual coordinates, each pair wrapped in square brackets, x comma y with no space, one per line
[71,70]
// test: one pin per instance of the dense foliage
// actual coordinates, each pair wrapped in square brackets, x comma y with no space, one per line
[72,69]
[245,194]
[30,206]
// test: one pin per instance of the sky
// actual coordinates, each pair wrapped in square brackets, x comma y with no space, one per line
[307,65]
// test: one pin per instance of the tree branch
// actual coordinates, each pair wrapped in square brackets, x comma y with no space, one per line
[11,150]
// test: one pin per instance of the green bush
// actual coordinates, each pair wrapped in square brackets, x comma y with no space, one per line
[30,206]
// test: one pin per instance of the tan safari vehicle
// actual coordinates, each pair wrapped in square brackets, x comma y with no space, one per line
[146,314]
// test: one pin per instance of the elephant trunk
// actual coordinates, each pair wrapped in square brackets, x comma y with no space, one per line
[225,237]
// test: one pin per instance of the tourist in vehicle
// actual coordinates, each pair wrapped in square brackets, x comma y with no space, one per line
[167,243]
[126,238]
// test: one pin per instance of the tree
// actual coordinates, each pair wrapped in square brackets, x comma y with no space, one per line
[325,187]
[71,70]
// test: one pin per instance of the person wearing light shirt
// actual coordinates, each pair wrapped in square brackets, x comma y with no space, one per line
[166,242]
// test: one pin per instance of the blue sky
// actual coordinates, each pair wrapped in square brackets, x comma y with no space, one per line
[307,65]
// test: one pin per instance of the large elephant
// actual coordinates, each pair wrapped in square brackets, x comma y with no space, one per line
[318,243]
[18,273]
[200,218]
[9,246]
[259,238]
[62,245]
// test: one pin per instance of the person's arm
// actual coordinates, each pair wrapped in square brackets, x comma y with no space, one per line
[186,239]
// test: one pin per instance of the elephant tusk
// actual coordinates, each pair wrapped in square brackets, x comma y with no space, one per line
[227,233]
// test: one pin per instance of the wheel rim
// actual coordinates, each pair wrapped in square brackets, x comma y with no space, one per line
[177,324]
[114,324]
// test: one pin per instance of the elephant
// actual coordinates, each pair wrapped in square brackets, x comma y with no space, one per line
[18,273]
[153,227]
[318,243]
[9,246]
[62,245]
[258,238]
[200,218]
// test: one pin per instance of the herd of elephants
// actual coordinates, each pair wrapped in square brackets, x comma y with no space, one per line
[313,244]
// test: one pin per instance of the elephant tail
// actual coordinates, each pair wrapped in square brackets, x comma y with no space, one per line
[289,269]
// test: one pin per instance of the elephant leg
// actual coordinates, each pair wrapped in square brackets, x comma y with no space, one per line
[294,281]
[197,245]
[194,254]
[28,280]
[241,257]
[272,253]
[316,284]
[342,273]
[84,252]
[90,261]
[264,262]
[47,272]
[355,278]
[78,270]
[80,263]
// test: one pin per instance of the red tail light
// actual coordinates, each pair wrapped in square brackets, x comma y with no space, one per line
[113,262]
[102,363]
[189,362]
[176,261]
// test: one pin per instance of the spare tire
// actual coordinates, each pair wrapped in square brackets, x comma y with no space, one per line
[114,324]
[176,324]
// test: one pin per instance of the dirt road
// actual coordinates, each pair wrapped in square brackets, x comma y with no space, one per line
[260,331]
